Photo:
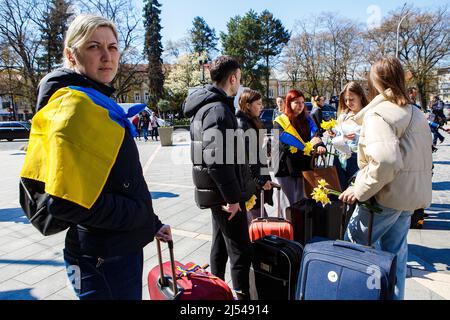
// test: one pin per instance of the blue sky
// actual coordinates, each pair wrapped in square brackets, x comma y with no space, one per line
[177,15]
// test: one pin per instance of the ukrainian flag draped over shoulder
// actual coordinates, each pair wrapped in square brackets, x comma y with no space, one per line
[291,137]
[74,143]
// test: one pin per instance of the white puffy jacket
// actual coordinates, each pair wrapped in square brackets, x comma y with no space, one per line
[394,155]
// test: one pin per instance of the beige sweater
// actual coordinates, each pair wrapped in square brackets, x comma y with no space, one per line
[394,155]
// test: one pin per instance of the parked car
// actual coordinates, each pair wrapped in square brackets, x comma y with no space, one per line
[267,116]
[10,130]
[328,111]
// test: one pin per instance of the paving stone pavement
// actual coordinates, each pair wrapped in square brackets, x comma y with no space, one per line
[32,267]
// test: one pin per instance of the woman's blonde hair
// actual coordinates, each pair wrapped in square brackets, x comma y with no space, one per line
[79,32]
[388,73]
[355,88]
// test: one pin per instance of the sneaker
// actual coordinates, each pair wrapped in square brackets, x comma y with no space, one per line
[433,149]
[441,140]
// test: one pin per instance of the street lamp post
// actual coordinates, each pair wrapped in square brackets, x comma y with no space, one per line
[202,65]
[398,32]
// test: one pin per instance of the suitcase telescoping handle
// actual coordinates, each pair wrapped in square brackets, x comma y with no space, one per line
[163,279]
[275,186]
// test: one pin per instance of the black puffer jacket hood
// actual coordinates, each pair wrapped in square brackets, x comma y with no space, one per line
[64,77]
[203,97]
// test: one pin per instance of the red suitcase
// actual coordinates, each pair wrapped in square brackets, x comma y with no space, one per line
[193,282]
[261,227]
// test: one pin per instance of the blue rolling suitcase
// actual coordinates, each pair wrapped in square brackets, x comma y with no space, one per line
[340,270]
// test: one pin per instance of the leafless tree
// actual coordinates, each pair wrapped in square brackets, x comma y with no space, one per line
[19,33]
[129,24]
[424,43]
[304,58]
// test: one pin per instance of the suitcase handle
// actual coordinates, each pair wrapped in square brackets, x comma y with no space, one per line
[274,240]
[164,281]
[347,245]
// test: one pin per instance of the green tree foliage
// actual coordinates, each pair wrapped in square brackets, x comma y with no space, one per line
[254,40]
[185,74]
[204,38]
[273,39]
[53,26]
[153,49]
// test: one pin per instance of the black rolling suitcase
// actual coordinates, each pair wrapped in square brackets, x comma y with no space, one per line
[331,220]
[301,215]
[310,219]
[275,269]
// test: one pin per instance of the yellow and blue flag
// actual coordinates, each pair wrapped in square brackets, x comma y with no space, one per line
[74,143]
[290,136]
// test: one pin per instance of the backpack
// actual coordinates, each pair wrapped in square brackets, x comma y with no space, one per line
[34,200]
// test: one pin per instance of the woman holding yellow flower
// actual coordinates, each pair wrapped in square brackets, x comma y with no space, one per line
[395,161]
[250,106]
[346,132]
[295,138]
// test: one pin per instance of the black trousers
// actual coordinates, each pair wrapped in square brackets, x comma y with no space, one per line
[230,239]
[154,133]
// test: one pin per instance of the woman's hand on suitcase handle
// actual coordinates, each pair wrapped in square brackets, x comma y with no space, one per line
[232,208]
[348,196]
[164,233]
[321,150]
[268,185]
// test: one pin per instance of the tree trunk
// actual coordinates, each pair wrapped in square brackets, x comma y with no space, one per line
[422,94]
[267,78]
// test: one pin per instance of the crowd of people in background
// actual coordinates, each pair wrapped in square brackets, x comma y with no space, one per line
[145,123]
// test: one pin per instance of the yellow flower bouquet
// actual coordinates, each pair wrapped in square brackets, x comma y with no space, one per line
[306,150]
[321,192]
[328,125]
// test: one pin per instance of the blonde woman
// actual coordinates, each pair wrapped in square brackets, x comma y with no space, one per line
[90,176]
[394,157]
[346,133]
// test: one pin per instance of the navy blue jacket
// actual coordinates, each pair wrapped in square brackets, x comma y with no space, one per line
[122,220]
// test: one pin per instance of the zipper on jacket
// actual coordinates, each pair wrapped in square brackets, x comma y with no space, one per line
[99,262]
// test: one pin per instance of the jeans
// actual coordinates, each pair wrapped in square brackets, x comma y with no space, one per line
[145,131]
[350,170]
[114,278]
[389,233]
[436,135]
[231,239]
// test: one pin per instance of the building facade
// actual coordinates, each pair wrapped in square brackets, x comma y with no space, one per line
[444,83]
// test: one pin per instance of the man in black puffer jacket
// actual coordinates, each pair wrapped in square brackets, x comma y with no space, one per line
[222,183]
